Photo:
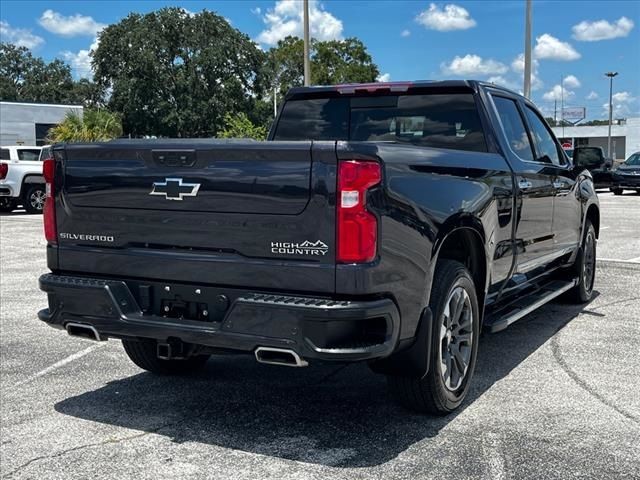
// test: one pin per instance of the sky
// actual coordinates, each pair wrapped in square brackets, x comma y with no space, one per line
[574,42]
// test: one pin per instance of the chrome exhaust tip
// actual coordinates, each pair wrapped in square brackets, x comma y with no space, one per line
[84,331]
[279,356]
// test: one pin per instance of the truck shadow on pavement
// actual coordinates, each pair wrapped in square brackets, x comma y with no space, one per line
[339,416]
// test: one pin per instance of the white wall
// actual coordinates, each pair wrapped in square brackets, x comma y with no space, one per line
[630,131]
[18,120]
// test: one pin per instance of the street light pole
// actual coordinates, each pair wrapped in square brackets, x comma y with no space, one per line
[610,75]
[527,51]
[307,66]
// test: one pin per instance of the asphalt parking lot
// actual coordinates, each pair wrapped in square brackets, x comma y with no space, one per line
[557,395]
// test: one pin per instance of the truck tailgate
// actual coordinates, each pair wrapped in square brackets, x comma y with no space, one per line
[245,213]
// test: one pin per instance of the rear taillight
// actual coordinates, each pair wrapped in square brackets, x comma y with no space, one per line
[357,228]
[4,168]
[49,212]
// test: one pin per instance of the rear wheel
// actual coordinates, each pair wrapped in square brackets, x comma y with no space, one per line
[454,345]
[7,204]
[35,198]
[144,354]
[585,267]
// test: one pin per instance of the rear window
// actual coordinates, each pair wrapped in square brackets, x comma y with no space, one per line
[432,120]
[4,154]
[314,119]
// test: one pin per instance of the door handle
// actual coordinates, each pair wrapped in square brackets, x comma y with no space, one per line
[524,184]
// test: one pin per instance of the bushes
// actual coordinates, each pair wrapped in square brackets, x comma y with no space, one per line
[92,126]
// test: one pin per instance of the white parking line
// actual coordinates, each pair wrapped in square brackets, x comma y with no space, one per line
[61,363]
[620,260]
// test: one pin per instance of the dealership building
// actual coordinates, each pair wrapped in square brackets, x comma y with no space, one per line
[625,137]
[23,123]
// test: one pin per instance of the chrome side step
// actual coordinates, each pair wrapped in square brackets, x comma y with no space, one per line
[527,305]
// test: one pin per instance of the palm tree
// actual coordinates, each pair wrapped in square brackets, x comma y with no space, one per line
[91,126]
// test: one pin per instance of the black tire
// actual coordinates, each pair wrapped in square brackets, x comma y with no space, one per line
[585,267]
[33,199]
[144,354]
[431,394]
[7,205]
[617,191]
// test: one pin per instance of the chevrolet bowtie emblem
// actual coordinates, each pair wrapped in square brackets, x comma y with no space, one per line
[175,189]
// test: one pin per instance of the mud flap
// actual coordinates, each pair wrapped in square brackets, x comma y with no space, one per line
[412,361]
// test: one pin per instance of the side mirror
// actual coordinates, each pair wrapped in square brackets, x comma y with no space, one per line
[588,157]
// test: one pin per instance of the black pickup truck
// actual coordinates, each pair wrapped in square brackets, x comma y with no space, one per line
[387,223]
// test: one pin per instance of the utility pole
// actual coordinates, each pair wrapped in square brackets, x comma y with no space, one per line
[527,51]
[610,75]
[275,102]
[307,65]
[562,103]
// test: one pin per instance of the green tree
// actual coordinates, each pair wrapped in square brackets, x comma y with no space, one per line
[24,77]
[94,125]
[332,62]
[88,93]
[176,74]
[342,61]
[239,126]
[285,65]
[595,123]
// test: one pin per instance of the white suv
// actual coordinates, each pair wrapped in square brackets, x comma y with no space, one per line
[21,180]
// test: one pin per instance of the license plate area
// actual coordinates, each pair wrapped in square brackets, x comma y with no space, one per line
[185,310]
[182,302]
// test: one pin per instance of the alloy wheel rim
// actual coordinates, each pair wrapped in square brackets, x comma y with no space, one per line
[589,264]
[456,338]
[38,199]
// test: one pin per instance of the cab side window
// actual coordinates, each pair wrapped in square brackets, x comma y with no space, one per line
[514,128]
[27,154]
[4,154]
[546,147]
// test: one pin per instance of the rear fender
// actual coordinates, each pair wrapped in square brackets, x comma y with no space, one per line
[450,227]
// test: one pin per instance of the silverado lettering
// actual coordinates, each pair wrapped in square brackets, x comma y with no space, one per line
[386,223]
[83,236]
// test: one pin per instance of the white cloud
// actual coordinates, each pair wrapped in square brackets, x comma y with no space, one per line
[19,36]
[562,91]
[256,11]
[81,60]
[570,81]
[405,33]
[549,47]
[622,97]
[558,93]
[385,77]
[622,104]
[505,82]
[592,96]
[473,65]
[286,19]
[452,17]
[70,26]
[602,30]
[517,65]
